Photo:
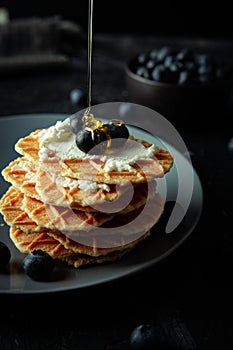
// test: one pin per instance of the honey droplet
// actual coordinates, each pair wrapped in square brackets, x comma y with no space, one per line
[87,118]
[116,122]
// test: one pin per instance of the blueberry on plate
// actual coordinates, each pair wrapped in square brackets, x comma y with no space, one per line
[118,129]
[5,255]
[38,265]
[144,337]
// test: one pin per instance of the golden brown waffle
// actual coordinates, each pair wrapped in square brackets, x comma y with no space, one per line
[98,246]
[62,218]
[52,192]
[69,220]
[21,173]
[38,237]
[93,170]
[39,184]
[11,209]
[27,243]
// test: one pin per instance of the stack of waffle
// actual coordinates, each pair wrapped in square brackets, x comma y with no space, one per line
[47,209]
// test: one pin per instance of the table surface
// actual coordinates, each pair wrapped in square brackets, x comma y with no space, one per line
[188,294]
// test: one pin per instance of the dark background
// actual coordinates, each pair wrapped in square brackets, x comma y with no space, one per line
[190,292]
[168,17]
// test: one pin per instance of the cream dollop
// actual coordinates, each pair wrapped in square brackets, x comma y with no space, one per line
[60,140]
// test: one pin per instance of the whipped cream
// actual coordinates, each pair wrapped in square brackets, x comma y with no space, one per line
[84,185]
[60,140]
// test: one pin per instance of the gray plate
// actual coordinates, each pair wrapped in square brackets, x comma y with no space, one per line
[149,252]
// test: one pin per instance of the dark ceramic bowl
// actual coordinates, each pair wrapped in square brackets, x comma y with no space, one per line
[178,102]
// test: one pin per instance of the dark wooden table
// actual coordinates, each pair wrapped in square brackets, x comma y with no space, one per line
[189,292]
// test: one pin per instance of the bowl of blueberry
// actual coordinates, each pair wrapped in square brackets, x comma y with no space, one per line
[178,82]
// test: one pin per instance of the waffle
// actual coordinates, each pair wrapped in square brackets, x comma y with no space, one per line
[93,169]
[99,242]
[52,192]
[21,173]
[62,218]
[11,209]
[28,243]
[39,184]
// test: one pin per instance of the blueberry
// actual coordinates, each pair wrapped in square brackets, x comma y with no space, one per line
[38,265]
[158,73]
[142,72]
[174,73]
[163,53]
[5,255]
[153,53]
[204,59]
[142,58]
[118,129]
[205,69]
[169,60]
[184,54]
[76,123]
[144,337]
[99,135]
[78,97]
[185,78]
[87,139]
[151,64]
[84,140]
[163,74]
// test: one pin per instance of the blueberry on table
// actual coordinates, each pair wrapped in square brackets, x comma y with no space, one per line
[78,97]
[5,255]
[38,265]
[144,337]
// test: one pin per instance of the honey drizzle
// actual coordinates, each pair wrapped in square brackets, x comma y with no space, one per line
[89,68]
